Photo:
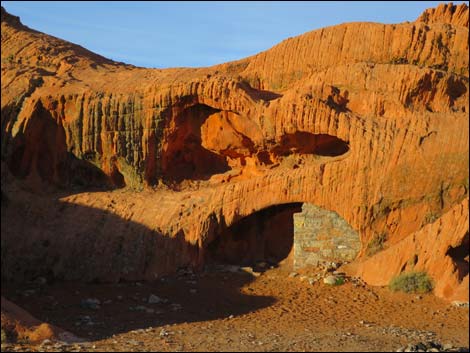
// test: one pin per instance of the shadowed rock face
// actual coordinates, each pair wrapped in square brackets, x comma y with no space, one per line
[264,236]
[375,130]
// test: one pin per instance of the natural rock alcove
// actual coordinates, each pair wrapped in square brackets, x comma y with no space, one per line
[184,157]
[266,235]
[303,142]
[460,256]
[203,141]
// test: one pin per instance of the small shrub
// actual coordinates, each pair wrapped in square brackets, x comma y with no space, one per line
[339,281]
[9,59]
[411,282]
[399,60]
[430,217]
[376,244]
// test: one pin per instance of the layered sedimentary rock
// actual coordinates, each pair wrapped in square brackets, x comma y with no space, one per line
[375,130]
[445,260]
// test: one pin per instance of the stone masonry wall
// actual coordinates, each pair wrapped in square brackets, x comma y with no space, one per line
[321,235]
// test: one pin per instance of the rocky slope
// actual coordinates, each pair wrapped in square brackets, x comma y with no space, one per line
[112,172]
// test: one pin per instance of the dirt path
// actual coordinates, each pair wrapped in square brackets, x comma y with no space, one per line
[235,311]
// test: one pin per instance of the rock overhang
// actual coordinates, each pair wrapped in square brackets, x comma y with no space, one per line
[396,109]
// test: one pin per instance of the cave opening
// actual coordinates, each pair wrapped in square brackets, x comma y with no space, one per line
[302,142]
[184,156]
[202,141]
[295,235]
[460,257]
[264,236]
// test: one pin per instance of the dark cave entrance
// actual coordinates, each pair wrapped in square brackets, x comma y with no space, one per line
[264,236]
[460,257]
[303,142]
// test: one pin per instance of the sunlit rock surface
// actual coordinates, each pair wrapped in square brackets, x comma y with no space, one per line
[111,171]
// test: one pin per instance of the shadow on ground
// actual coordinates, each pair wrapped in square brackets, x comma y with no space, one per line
[86,253]
[124,306]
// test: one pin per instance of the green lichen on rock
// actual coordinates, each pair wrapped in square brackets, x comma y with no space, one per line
[376,244]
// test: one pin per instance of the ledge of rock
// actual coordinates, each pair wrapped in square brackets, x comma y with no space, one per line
[114,172]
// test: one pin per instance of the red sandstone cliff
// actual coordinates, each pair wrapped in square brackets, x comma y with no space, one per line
[375,130]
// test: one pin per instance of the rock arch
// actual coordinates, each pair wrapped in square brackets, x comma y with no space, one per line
[303,233]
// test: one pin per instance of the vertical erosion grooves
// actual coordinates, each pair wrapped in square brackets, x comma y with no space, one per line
[39,153]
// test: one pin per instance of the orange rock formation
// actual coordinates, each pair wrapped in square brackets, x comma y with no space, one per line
[26,327]
[374,129]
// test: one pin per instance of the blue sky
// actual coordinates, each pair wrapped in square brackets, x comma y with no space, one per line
[192,34]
